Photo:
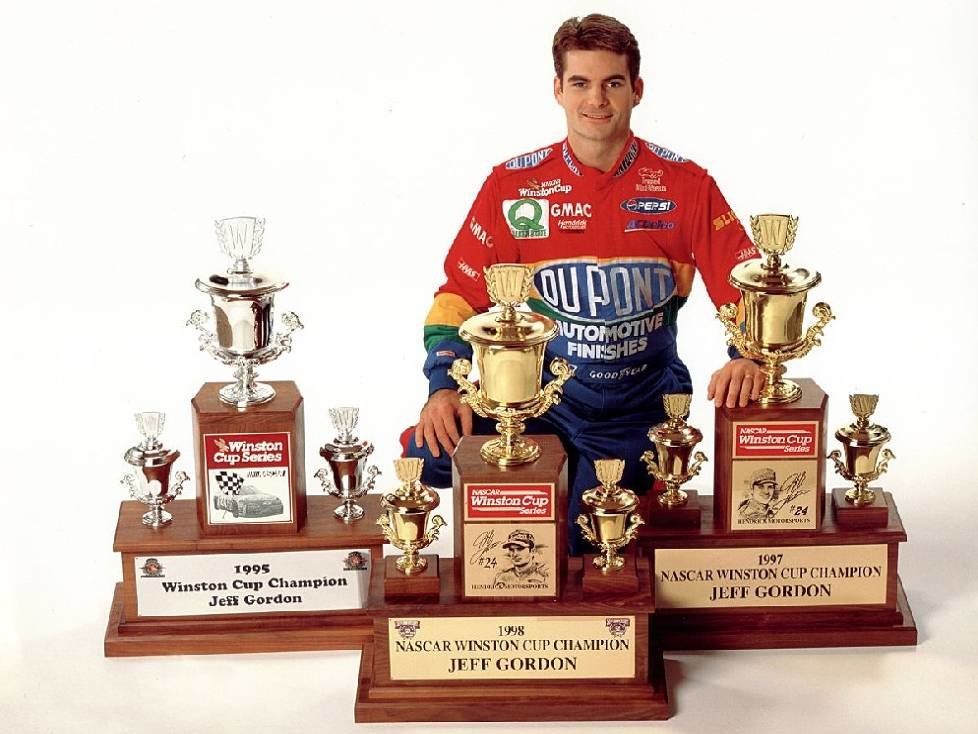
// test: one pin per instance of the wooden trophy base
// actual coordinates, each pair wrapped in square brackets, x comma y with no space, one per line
[250,463]
[519,661]
[419,587]
[847,515]
[510,523]
[686,516]
[186,594]
[598,584]
[769,467]
[832,587]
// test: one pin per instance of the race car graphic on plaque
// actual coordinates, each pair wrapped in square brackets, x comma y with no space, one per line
[248,478]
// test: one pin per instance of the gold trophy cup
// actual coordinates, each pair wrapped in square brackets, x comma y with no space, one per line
[673,443]
[610,520]
[774,308]
[865,457]
[509,348]
[404,520]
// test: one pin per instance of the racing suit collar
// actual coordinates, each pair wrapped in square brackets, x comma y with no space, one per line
[626,159]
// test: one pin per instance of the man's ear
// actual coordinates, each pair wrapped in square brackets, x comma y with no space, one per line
[638,88]
[558,89]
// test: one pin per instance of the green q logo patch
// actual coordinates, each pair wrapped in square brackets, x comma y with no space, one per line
[527,217]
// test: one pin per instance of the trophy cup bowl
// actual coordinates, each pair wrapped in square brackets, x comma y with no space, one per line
[610,519]
[243,312]
[405,517]
[151,482]
[346,458]
[508,347]
[671,460]
[774,298]
[865,459]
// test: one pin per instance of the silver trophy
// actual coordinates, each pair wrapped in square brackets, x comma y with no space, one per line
[346,456]
[243,302]
[150,482]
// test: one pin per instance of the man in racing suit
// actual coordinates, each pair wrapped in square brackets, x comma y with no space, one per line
[614,228]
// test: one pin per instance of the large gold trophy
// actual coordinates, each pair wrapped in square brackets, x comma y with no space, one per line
[774,298]
[405,517]
[865,457]
[509,348]
[610,520]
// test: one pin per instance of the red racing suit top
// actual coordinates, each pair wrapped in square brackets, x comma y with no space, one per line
[613,257]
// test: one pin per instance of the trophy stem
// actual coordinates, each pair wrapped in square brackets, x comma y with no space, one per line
[157,517]
[411,563]
[673,496]
[246,391]
[349,511]
[777,390]
[609,560]
[861,495]
[510,449]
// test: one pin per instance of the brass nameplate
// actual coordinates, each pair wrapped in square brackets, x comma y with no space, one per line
[498,648]
[784,576]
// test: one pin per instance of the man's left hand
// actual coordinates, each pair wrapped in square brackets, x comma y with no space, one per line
[736,383]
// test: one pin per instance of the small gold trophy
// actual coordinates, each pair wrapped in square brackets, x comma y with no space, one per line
[610,519]
[509,348]
[405,517]
[674,441]
[865,457]
[774,307]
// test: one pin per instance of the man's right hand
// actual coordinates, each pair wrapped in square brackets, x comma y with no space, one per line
[438,425]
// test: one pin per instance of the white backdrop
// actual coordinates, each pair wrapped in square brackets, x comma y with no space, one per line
[361,134]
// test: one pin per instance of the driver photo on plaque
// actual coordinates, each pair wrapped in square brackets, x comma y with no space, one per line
[764,499]
[525,567]
[615,228]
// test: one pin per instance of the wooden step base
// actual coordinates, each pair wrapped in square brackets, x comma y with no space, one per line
[678,631]
[531,700]
[225,636]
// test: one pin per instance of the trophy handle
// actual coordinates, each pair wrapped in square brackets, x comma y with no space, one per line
[207,339]
[813,337]
[635,521]
[437,523]
[887,456]
[176,486]
[385,526]
[129,482]
[283,339]
[553,390]
[840,468]
[649,458]
[372,473]
[468,391]
[735,337]
[699,458]
[586,531]
[327,483]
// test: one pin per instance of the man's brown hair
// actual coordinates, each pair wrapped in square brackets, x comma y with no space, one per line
[595,32]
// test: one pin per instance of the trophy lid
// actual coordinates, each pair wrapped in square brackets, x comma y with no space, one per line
[862,432]
[346,446]
[241,240]
[508,285]
[675,431]
[150,451]
[525,330]
[774,235]
[608,498]
[412,496]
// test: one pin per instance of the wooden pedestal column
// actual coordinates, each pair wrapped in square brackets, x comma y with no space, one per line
[251,476]
[510,523]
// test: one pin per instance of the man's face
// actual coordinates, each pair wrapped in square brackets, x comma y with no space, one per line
[597,94]
[518,554]
[764,491]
